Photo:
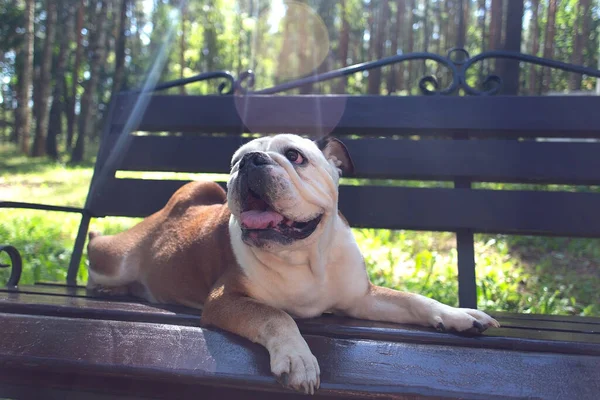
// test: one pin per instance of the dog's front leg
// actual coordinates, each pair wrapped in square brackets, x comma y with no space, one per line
[292,362]
[383,304]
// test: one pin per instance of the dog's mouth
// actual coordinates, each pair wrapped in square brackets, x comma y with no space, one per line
[259,220]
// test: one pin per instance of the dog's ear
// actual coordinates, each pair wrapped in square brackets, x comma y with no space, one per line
[333,149]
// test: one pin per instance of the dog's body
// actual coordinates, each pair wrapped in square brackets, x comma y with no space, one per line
[273,247]
[170,256]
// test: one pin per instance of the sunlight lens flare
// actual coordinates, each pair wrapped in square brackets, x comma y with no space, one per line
[297,39]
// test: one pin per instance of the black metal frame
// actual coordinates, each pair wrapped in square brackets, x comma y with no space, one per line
[457,62]
[16,264]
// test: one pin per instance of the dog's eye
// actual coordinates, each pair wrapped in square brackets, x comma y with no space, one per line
[294,156]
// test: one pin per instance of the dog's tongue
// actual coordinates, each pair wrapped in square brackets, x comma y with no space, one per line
[255,219]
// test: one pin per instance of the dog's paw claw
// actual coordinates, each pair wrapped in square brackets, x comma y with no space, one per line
[477,325]
[463,320]
[283,379]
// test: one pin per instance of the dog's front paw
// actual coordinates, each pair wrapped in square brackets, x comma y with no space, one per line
[446,318]
[295,367]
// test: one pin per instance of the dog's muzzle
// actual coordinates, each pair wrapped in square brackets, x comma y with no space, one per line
[259,220]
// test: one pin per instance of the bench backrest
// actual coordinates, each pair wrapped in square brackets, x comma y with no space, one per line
[391,138]
[454,141]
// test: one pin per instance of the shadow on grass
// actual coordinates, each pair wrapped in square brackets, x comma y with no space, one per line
[14,162]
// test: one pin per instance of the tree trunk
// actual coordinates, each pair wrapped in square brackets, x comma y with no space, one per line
[535,45]
[55,123]
[496,17]
[396,75]
[23,111]
[411,42]
[466,17]
[482,18]
[343,46]
[426,34]
[495,25]
[41,127]
[305,65]
[581,33]
[372,22]
[447,32]
[437,41]
[75,77]
[549,43]
[100,102]
[119,74]
[437,44]
[68,106]
[96,48]
[374,85]
[210,43]
[15,135]
[371,48]
[514,24]
[182,48]
[462,25]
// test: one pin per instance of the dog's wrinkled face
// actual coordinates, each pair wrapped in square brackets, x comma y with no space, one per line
[282,187]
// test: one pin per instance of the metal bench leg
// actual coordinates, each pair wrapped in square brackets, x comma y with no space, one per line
[78,250]
[467,287]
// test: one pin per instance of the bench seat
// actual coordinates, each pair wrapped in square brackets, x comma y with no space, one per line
[109,348]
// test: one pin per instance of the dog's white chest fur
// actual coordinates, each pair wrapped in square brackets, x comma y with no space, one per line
[309,281]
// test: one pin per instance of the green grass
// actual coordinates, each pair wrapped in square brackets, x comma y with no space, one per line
[517,274]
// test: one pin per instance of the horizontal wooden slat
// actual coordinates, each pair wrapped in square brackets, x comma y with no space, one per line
[200,154]
[486,211]
[561,326]
[61,289]
[557,337]
[542,321]
[190,355]
[52,385]
[476,160]
[547,317]
[376,115]
[483,211]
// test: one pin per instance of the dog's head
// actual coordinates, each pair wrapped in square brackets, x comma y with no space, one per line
[282,188]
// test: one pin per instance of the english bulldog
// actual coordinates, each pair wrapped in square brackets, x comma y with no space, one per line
[275,246]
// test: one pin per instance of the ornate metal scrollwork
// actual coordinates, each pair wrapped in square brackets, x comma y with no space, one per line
[245,82]
[496,82]
[224,88]
[17,265]
[457,62]
[353,69]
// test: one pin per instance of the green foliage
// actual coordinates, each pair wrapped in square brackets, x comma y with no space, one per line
[45,241]
[12,19]
[420,262]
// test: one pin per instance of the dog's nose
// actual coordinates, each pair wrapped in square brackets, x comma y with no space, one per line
[255,158]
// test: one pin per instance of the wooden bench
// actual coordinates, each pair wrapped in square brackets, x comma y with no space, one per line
[58,341]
